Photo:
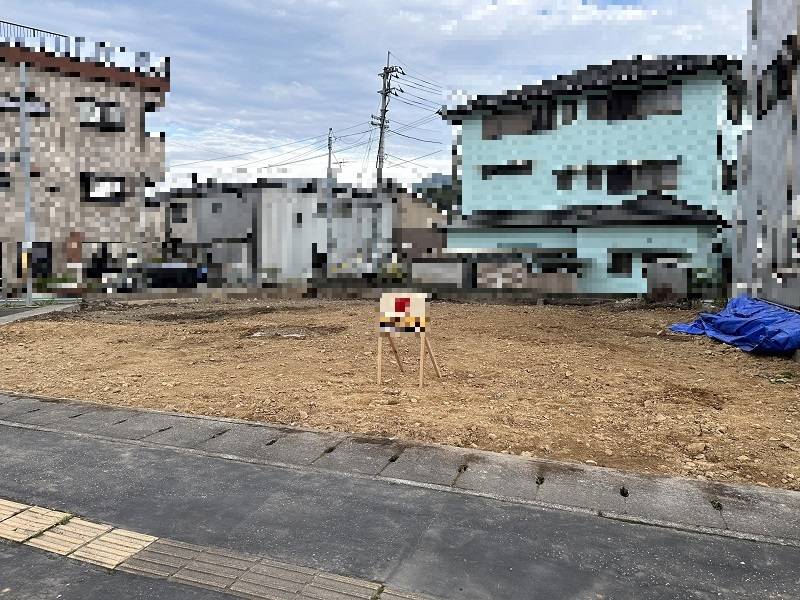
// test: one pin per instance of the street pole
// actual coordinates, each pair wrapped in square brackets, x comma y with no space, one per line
[384,104]
[329,211]
[25,158]
[330,151]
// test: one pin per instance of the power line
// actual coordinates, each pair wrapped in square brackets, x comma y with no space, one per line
[198,147]
[413,138]
[265,149]
[402,91]
[420,86]
[313,148]
[434,131]
[402,62]
[369,146]
[338,137]
[251,152]
[434,85]
[411,160]
[420,120]
[291,162]
[413,103]
[366,154]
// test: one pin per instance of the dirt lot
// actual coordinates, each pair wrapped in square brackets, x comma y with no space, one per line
[603,384]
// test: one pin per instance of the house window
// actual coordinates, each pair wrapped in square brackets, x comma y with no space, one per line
[540,117]
[179,213]
[34,106]
[665,100]
[5,181]
[620,179]
[569,112]
[102,188]
[625,105]
[544,116]
[597,108]
[729,176]
[594,177]
[104,116]
[298,219]
[41,260]
[655,176]
[647,176]
[518,167]
[216,207]
[564,179]
[343,210]
[621,264]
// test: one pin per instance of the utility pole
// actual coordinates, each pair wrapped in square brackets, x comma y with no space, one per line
[25,159]
[330,151]
[386,91]
[329,211]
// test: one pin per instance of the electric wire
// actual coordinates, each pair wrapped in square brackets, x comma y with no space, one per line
[411,160]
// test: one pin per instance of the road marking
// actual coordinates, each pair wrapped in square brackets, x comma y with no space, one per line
[69,537]
[231,572]
[112,548]
[9,509]
[30,522]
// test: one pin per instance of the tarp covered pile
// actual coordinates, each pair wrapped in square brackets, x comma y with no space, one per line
[749,324]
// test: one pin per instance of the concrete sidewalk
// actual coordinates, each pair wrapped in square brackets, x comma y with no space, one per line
[437,521]
[11,313]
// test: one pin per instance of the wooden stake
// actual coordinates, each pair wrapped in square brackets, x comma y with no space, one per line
[396,353]
[421,357]
[433,358]
[380,356]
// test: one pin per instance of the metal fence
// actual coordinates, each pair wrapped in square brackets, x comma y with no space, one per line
[9,30]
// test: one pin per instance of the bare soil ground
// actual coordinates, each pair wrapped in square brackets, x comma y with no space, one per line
[602,384]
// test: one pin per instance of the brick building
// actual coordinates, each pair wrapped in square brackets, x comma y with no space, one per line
[93,164]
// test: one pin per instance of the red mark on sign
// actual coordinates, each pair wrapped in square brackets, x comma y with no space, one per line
[402,305]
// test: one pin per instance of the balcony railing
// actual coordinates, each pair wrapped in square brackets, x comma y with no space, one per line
[79,48]
[11,30]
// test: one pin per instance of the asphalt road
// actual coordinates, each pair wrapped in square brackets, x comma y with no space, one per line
[28,574]
[447,545]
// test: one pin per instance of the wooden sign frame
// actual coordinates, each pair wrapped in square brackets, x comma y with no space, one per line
[407,316]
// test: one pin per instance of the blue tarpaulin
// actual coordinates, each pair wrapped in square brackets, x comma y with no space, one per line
[749,324]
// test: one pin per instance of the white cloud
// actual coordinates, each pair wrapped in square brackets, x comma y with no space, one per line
[250,74]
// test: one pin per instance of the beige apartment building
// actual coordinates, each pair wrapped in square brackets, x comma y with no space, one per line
[93,165]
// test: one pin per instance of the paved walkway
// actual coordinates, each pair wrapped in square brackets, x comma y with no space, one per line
[439,522]
[10,313]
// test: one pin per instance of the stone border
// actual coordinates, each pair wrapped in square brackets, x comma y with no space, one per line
[38,311]
[743,512]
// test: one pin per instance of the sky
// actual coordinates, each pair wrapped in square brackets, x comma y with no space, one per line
[256,84]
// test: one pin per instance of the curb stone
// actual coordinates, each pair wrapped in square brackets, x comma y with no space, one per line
[742,512]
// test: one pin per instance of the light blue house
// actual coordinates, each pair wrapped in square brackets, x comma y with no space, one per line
[614,179]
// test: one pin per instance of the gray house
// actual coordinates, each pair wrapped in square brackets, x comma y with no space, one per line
[284,231]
